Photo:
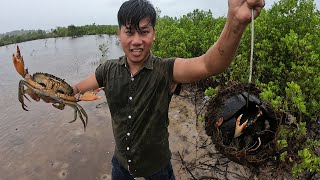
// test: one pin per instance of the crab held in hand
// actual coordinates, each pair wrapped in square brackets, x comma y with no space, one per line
[51,89]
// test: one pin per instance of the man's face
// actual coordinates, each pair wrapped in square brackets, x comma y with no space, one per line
[136,44]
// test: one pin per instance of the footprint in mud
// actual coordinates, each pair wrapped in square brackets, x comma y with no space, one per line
[78,132]
[63,174]
[84,160]
[106,177]
[55,164]
[62,168]
[65,166]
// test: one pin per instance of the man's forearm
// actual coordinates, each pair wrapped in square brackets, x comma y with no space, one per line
[221,54]
[89,83]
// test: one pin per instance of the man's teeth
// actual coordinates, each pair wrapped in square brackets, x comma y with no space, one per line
[137,50]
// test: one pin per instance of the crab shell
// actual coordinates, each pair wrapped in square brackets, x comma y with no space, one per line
[53,85]
[235,122]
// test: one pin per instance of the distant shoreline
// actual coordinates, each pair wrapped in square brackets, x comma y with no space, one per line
[19,36]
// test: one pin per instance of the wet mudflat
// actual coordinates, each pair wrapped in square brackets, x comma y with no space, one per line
[40,143]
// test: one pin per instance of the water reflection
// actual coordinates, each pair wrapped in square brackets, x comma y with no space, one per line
[40,143]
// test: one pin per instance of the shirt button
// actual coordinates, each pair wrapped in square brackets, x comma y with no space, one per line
[128,134]
[128,148]
[129,161]
[129,117]
[130,98]
[132,79]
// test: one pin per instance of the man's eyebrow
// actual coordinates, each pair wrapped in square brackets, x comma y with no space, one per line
[145,26]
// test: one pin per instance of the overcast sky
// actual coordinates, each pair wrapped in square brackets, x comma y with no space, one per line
[49,14]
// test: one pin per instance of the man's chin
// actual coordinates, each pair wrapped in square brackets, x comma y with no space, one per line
[137,59]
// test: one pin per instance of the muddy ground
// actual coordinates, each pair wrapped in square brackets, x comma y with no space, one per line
[194,156]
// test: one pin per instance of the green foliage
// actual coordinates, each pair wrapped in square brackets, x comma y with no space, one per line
[270,93]
[296,149]
[189,36]
[282,143]
[309,161]
[32,35]
[295,97]
[287,70]
[202,118]
[211,92]
[283,156]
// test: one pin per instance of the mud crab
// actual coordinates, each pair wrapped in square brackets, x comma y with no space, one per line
[242,124]
[242,127]
[50,89]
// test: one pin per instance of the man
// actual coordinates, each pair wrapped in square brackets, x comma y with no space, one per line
[139,86]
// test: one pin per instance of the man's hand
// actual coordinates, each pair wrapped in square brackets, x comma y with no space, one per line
[89,95]
[240,10]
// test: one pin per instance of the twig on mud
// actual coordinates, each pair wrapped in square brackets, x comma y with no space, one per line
[185,166]
[207,177]
[220,171]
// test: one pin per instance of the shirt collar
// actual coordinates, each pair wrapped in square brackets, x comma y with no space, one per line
[148,64]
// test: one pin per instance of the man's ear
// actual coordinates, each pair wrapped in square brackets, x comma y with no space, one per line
[119,30]
[155,34]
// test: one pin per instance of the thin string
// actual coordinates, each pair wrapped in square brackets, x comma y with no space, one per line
[252,44]
[251,55]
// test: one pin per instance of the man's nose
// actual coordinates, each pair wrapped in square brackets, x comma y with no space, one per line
[137,39]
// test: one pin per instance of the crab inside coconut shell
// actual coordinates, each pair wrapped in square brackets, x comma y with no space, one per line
[51,89]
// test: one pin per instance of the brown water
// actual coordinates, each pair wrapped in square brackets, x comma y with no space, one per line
[40,143]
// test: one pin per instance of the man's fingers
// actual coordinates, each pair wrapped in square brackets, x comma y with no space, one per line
[255,4]
[97,90]
[257,11]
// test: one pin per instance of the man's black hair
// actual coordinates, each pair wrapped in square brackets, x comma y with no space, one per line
[133,11]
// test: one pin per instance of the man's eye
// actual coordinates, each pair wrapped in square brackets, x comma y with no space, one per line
[128,32]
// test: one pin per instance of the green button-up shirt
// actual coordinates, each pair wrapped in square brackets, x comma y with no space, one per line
[139,108]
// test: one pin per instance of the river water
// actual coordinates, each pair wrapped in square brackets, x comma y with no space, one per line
[40,143]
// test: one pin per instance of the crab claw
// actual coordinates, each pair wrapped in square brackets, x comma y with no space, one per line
[19,63]
[218,122]
[239,128]
[259,112]
[256,117]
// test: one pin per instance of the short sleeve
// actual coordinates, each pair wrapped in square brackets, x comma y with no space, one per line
[174,88]
[170,62]
[101,74]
